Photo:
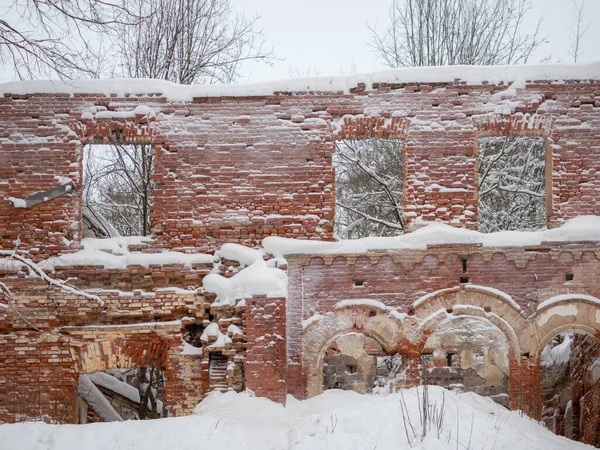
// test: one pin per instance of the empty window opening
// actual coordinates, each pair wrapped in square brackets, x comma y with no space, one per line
[452,359]
[464,279]
[351,369]
[359,283]
[117,190]
[427,360]
[464,264]
[512,183]
[569,277]
[389,366]
[478,358]
[369,177]
[121,394]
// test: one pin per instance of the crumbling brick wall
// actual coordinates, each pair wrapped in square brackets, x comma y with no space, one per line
[236,169]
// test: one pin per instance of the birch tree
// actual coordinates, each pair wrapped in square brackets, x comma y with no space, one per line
[118,187]
[580,29]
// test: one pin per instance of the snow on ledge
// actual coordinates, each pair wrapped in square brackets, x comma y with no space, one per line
[566,298]
[579,229]
[256,279]
[471,75]
[246,256]
[392,312]
[114,253]
[17,202]
[418,302]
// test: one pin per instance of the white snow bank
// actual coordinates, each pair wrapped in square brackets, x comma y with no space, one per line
[257,279]
[240,253]
[567,297]
[114,253]
[472,75]
[336,419]
[584,228]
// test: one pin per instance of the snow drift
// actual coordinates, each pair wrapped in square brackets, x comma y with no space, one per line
[335,419]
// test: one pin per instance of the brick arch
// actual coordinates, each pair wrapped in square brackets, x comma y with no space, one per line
[131,346]
[563,313]
[477,313]
[370,319]
[482,303]
[122,353]
[486,301]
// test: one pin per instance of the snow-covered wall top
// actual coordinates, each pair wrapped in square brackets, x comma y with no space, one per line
[244,166]
[470,75]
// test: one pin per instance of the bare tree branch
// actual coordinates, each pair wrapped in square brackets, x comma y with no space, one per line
[53,37]
[451,32]
[579,31]
[189,41]
[51,281]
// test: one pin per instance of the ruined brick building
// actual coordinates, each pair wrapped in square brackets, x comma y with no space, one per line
[235,165]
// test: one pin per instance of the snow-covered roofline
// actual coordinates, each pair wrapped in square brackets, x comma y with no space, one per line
[471,75]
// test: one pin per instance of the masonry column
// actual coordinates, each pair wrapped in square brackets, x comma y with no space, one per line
[265,365]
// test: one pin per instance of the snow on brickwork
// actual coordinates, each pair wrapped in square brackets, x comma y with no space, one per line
[471,75]
[238,169]
[579,229]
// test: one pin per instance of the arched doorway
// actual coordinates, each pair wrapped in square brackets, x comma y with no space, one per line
[357,362]
[468,353]
[121,394]
[570,386]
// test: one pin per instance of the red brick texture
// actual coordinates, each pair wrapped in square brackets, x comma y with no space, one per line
[238,169]
[265,365]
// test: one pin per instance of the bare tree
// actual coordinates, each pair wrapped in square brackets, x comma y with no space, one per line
[48,37]
[450,32]
[368,188]
[118,187]
[579,31]
[189,41]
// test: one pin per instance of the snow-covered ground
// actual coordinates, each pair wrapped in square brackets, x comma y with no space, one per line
[334,420]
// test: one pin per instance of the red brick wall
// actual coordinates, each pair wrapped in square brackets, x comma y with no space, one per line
[39,372]
[265,365]
[238,169]
[399,279]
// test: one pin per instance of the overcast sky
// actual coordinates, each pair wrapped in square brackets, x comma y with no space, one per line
[329,36]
